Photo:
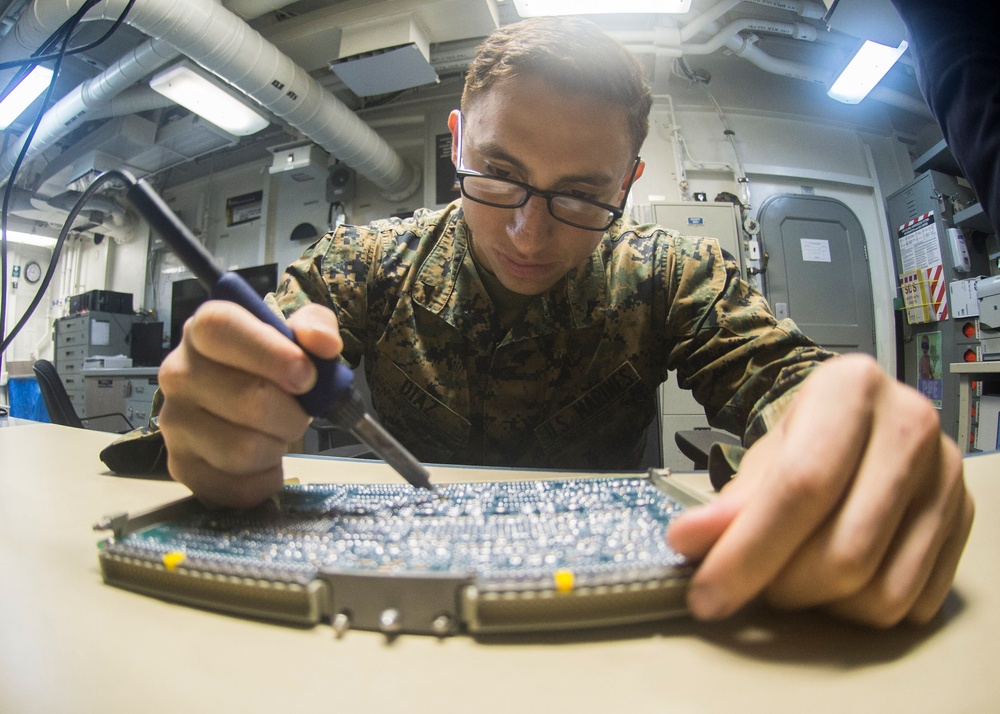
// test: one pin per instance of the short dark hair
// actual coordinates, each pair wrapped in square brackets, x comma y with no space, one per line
[570,53]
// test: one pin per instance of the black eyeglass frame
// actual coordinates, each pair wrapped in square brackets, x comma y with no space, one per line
[616,211]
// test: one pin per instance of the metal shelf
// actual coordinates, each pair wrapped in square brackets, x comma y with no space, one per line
[974,218]
[937,158]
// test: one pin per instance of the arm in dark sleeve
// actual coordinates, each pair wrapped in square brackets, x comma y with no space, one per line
[957,51]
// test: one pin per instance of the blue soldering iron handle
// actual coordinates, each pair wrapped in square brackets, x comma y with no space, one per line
[333,382]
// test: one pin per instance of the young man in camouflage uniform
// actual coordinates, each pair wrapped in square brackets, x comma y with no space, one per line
[530,325]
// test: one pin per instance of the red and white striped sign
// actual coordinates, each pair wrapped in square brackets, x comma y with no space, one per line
[938,291]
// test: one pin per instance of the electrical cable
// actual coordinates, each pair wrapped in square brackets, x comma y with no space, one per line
[63,234]
[59,35]
[741,174]
[64,32]
[35,59]
[331,224]
[679,68]
[6,212]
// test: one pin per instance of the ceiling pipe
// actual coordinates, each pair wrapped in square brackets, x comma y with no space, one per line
[803,8]
[102,215]
[225,45]
[663,38]
[747,48]
[795,30]
[901,100]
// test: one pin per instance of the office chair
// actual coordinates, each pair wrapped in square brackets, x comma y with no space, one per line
[697,443]
[58,404]
[336,441]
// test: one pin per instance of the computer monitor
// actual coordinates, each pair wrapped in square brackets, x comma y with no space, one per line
[189,294]
[147,344]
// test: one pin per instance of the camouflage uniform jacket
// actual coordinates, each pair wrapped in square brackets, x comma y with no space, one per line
[573,384]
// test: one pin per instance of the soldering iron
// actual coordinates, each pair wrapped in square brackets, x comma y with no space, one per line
[334,396]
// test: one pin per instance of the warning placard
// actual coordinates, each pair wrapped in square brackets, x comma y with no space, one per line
[925,291]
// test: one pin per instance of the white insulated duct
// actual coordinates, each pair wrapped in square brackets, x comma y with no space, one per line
[140,98]
[225,45]
[79,104]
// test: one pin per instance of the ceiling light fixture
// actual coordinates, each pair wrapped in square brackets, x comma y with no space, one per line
[30,239]
[21,96]
[533,8]
[185,86]
[864,71]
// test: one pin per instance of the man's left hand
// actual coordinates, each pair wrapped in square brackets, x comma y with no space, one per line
[854,503]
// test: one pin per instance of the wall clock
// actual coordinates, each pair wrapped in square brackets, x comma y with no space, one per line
[32,272]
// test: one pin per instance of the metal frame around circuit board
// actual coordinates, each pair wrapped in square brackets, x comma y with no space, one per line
[209,570]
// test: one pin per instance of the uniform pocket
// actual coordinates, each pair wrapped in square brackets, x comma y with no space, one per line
[425,425]
[603,429]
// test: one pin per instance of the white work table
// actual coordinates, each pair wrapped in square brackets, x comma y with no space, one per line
[70,643]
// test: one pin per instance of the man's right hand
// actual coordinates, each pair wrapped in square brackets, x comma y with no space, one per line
[229,411]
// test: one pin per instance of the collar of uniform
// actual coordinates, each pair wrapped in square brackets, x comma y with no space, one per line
[448,285]
[574,303]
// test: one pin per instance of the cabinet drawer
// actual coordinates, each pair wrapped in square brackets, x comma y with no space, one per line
[65,355]
[79,401]
[70,367]
[72,382]
[72,339]
[73,324]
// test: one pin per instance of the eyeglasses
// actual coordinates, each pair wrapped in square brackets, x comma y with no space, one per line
[508,193]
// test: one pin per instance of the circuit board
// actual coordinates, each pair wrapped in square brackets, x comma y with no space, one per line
[492,556]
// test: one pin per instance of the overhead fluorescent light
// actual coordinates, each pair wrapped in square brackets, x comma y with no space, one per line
[864,71]
[30,239]
[194,92]
[533,8]
[21,96]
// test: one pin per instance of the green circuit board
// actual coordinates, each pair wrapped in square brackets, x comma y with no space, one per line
[479,557]
[600,529]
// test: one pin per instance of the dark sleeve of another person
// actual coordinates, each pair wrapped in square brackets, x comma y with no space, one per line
[957,51]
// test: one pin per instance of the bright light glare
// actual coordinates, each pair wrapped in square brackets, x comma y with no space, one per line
[31,239]
[533,8]
[193,92]
[21,97]
[864,71]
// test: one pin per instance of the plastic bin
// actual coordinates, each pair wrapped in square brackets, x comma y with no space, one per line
[26,399]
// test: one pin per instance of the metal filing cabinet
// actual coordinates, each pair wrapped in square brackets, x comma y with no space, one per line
[121,391]
[87,335]
[929,203]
